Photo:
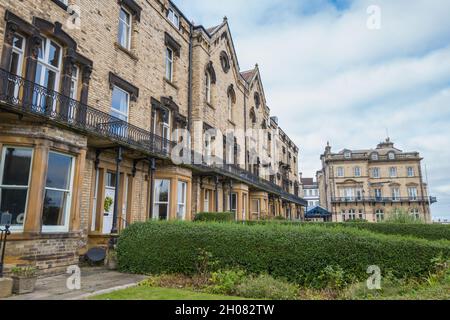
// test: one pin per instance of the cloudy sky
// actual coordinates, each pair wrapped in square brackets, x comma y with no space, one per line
[328,77]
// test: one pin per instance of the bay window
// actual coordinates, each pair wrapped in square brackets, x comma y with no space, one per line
[181,207]
[15,172]
[58,193]
[124,36]
[161,199]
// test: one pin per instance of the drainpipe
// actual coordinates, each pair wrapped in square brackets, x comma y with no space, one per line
[117,191]
[189,124]
[151,173]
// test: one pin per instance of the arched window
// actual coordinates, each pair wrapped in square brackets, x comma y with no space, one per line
[253,116]
[208,87]
[257,100]
[231,101]
[210,79]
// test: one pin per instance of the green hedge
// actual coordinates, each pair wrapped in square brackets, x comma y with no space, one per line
[424,231]
[215,217]
[297,254]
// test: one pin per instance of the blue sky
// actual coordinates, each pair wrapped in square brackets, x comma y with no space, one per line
[329,78]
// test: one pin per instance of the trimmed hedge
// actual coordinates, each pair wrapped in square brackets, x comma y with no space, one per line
[297,254]
[215,216]
[417,230]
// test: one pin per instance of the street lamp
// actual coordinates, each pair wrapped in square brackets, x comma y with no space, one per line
[4,233]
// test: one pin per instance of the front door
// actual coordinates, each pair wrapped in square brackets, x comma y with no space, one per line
[108,207]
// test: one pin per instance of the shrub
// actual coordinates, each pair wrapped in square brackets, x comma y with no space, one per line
[225,282]
[424,231]
[215,216]
[402,217]
[297,254]
[266,287]
[333,277]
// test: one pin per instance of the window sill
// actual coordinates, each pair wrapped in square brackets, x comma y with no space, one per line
[125,50]
[61,5]
[171,83]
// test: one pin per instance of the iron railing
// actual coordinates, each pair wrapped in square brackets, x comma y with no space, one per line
[25,97]
[30,98]
[430,200]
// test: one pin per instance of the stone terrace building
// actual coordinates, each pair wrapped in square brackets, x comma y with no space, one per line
[92,103]
[373,184]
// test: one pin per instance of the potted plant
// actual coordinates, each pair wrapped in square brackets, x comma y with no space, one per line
[24,279]
[111,261]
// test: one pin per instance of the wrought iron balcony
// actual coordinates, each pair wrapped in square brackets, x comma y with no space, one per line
[429,200]
[24,97]
[28,98]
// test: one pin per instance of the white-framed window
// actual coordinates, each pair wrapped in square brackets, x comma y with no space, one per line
[181,207]
[161,199]
[357,172]
[233,202]
[48,71]
[206,201]
[379,215]
[415,213]
[244,207]
[74,82]
[348,155]
[395,194]
[256,209]
[173,17]
[352,214]
[378,194]
[208,87]
[410,172]
[15,175]
[169,64]
[412,193]
[340,172]
[393,172]
[359,194]
[349,194]
[376,173]
[18,49]
[125,22]
[58,193]
[375,156]
[165,129]
[120,103]
[391,156]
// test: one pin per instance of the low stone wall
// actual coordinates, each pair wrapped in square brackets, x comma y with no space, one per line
[51,255]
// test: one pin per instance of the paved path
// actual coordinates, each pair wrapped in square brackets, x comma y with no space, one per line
[93,280]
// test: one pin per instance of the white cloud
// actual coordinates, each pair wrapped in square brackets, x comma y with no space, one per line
[328,78]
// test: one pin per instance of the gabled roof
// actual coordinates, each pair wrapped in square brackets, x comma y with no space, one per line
[249,74]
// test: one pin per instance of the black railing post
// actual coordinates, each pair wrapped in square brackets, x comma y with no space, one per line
[4,233]
[117,191]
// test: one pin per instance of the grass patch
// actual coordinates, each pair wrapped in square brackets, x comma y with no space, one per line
[149,293]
